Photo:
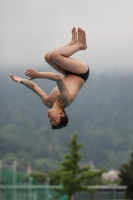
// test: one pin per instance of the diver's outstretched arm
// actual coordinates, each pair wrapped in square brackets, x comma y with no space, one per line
[46,75]
[33,86]
[64,93]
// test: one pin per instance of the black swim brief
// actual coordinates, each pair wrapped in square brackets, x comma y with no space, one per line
[84,76]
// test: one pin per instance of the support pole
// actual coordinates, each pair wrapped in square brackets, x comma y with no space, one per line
[30,188]
[1,162]
[15,180]
[47,187]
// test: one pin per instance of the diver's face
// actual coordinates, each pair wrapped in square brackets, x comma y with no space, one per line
[54,117]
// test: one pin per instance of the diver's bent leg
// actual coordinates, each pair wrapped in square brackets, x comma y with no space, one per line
[52,64]
[69,64]
[59,58]
[47,57]
[68,51]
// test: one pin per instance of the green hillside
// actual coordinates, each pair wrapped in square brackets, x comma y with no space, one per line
[102,115]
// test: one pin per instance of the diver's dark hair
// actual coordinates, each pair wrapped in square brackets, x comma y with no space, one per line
[63,122]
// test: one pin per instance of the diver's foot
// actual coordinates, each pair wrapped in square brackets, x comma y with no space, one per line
[81,39]
[74,36]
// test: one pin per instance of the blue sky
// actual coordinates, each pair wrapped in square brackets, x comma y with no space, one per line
[30,28]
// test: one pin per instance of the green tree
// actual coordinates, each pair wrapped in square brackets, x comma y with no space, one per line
[71,175]
[38,177]
[126,175]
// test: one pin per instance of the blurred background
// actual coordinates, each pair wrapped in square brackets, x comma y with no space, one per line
[102,113]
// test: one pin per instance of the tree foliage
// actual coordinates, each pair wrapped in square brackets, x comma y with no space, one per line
[70,174]
[38,177]
[126,175]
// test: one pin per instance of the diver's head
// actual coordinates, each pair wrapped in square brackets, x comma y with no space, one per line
[58,119]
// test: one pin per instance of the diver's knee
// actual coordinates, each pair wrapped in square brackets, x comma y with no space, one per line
[47,57]
[54,55]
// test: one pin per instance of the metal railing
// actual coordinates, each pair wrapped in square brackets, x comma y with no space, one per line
[45,192]
[28,191]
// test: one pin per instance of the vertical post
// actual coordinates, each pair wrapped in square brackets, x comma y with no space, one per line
[72,197]
[15,180]
[96,195]
[114,193]
[47,187]
[1,162]
[30,188]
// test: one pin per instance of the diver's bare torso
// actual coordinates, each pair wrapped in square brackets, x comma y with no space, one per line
[73,83]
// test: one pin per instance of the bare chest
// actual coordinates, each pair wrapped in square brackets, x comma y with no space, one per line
[73,83]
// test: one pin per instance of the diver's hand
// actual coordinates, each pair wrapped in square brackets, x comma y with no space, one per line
[32,74]
[16,78]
